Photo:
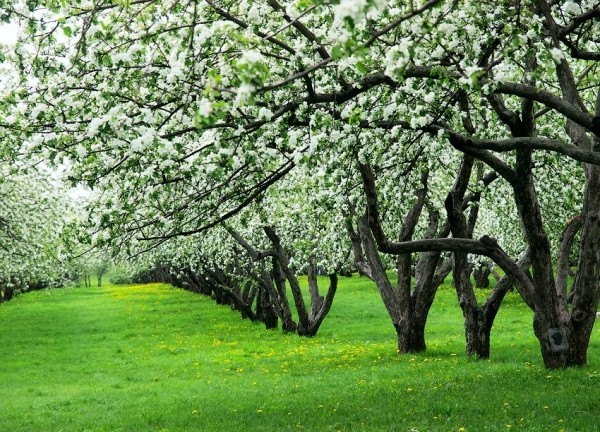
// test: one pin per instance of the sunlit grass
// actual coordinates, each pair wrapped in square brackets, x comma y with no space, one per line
[151,357]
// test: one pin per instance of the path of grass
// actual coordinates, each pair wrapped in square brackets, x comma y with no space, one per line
[148,358]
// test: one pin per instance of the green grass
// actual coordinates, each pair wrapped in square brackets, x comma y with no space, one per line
[155,358]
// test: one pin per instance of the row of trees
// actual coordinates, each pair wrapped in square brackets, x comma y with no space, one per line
[253,140]
[32,215]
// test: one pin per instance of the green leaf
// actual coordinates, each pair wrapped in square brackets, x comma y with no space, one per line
[68,31]
[349,23]
[336,52]
[475,79]
[361,67]
[197,119]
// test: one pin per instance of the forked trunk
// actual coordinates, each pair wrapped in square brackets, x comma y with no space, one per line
[308,323]
[478,320]
[287,322]
[318,315]
[411,334]
[408,317]
[472,316]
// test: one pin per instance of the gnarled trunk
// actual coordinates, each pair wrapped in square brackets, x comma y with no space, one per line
[475,334]
[409,309]
[287,321]
[309,323]
[277,294]
[264,309]
[585,286]
[408,317]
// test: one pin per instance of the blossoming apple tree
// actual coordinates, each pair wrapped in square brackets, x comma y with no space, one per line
[184,113]
[32,216]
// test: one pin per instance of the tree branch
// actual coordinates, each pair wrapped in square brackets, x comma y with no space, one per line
[530,143]
[562,262]
[254,254]
[545,97]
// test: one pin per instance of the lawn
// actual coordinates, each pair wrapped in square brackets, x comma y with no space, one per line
[157,358]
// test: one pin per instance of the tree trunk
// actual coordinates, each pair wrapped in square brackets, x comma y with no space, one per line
[303,322]
[225,295]
[325,307]
[308,324]
[585,287]
[246,296]
[408,318]
[408,310]
[6,294]
[427,281]
[265,282]
[549,309]
[271,319]
[238,292]
[316,299]
[264,309]
[287,322]
[548,326]
[481,274]
[205,286]
[475,334]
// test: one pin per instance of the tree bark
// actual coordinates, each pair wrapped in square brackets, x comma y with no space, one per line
[481,274]
[472,315]
[264,309]
[225,295]
[563,336]
[6,294]
[303,324]
[309,323]
[478,320]
[562,262]
[287,321]
[585,287]
[277,295]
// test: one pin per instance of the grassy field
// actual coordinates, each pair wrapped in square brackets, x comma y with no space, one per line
[156,358]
